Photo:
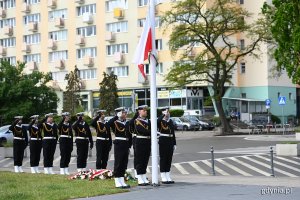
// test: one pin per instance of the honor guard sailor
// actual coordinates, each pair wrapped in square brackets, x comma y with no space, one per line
[103,142]
[20,142]
[83,138]
[49,142]
[167,144]
[65,143]
[122,144]
[35,144]
[142,144]
[132,131]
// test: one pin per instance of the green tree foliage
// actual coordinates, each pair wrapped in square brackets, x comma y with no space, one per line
[284,22]
[24,94]
[72,93]
[108,93]
[213,27]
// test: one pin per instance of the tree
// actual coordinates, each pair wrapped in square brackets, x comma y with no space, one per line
[24,94]
[213,26]
[72,94]
[108,92]
[284,22]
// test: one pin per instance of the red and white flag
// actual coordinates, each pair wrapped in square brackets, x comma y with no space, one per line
[147,41]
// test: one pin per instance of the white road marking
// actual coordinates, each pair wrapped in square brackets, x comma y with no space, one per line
[180,168]
[56,161]
[5,159]
[9,164]
[288,160]
[250,166]
[112,157]
[217,169]
[281,164]
[233,167]
[198,168]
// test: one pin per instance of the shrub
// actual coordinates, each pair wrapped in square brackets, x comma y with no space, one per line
[275,119]
[176,112]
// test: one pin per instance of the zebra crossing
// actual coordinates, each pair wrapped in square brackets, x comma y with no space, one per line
[242,165]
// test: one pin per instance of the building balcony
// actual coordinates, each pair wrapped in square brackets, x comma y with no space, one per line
[59,64]
[119,13]
[88,61]
[33,26]
[79,1]
[2,13]
[52,4]
[52,44]
[26,8]
[110,37]
[59,22]
[8,30]
[119,58]
[87,18]
[31,66]
[3,51]
[26,48]
[80,40]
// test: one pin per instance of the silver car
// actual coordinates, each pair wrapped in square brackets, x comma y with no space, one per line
[184,124]
[6,135]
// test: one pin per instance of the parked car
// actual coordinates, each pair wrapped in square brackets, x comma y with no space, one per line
[182,123]
[6,135]
[204,124]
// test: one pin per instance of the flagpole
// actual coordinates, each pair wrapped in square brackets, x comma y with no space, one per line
[153,105]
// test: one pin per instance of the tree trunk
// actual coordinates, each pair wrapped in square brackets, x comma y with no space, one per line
[225,124]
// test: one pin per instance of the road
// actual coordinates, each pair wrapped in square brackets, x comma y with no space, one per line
[234,155]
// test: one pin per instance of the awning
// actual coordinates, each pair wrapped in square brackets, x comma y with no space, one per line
[244,99]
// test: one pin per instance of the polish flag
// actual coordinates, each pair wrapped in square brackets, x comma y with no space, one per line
[146,42]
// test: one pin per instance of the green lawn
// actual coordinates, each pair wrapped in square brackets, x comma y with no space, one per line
[40,186]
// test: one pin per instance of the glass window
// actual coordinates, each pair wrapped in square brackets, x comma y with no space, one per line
[120,71]
[58,35]
[111,49]
[81,53]
[91,8]
[117,27]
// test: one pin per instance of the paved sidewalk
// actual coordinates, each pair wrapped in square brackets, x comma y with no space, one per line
[215,188]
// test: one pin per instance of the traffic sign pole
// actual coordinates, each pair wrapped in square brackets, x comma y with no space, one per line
[282,119]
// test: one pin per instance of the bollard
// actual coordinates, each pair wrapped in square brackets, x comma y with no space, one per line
[272,162]
[212,160]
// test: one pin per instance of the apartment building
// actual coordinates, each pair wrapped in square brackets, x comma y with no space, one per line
[101,36]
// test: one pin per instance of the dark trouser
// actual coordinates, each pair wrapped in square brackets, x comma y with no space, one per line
[35,152]
[121,151]
[49,147]
[165,153]
[134,152]
[66,148]
[18,151]
[102,148]
[143,150]
[82,152]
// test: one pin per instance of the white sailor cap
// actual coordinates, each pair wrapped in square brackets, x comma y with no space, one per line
[65,114]
[100,111]
[165,108]
[34,116]
[143,107]
[80,114]
[49,115]
[121,109]
[18,117]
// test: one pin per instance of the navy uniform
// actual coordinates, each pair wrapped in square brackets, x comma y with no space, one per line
[49,142]
[65,143]
[83,138]
[20,142]
[132,131]
[103,142]
[35,144]
[122,144]
[167,144]
[142,127]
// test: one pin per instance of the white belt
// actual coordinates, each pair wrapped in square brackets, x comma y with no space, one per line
[121,138]
[66,136]
[35,139]
[102,138]
[48,138]
[134,135]
[19,138]
[166,135]
[143,137]
[82,138]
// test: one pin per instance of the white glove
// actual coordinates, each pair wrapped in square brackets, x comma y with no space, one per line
[164,112]
[174,147]
[119,114]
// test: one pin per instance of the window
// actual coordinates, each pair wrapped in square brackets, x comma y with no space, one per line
[142,2]
[158,44]
[117,27]
[242,44]
[31,18]
[141,22]
[8,4]
[243,68]
[111,49]
[8,42]
[58,35]
[121,71]
[81,53]
[87,31]
[8,22]
[159,69]
[58,55]
[87,74]
[32,1]
[32,39]
[57,14]
[12,60]
[32,57]
[59,76]
[112,4]
[91,8]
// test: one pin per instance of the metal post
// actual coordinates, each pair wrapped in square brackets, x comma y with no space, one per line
[272,162]
[282,120]
[212,160]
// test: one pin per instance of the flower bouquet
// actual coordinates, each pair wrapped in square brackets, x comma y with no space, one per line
[92,174]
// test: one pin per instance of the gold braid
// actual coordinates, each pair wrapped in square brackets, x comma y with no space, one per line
[99,128]
[118,128]
[65,130]
[49,130]
[140,123]
[82,130]
[18,132]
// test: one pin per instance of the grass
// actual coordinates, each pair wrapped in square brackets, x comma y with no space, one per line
[40,186]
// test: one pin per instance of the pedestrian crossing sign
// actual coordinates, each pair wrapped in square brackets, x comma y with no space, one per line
[281,100]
